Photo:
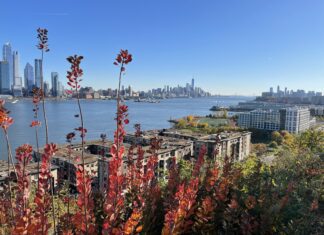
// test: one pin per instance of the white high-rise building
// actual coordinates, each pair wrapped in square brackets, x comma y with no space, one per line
[17,85]
[293,119]
[297,119]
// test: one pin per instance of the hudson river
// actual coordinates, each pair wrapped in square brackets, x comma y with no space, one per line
[99,117]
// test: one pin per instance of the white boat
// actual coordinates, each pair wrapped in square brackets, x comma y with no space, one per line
[15,101]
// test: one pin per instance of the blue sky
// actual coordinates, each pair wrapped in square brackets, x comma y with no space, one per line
[229,46]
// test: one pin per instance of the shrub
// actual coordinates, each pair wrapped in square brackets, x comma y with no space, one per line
[273,144]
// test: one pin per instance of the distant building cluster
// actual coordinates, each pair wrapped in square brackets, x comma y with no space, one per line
[292,97]
[12,83]
[292,119]
[294,111]
[190,90]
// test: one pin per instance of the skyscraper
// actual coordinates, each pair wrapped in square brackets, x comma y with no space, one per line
[193,84]
[60,89]
[29,77]
[55,83]
[38,72]
[46,88]
[7,56]
[4,78]
[17,86]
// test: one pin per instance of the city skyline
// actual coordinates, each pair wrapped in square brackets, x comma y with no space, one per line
[31,78]
[230,49]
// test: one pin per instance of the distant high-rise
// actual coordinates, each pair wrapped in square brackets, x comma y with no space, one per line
[7,56]
[38,72]
[55,83]
[130,92]
[188,88]
[193,84]
[4,78]
[278,89]
[271,90]
[17,85]
[29,77]
[46,88]
[60,89]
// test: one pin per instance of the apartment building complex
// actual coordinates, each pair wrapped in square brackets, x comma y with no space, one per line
[170,148]
[292,119]
[174,144]
[235,145]
[31,170]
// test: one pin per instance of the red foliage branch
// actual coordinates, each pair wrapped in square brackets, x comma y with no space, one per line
[84,188]
[175,219]
[172,185]
[140,185]
[43,47]
[5,120]
[131,225]
[84,225]
[23,156]
[5,123]
[42,200]
[43,39]
[22,212]
[114,201]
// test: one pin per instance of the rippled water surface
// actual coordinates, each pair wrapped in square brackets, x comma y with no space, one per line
[99,117]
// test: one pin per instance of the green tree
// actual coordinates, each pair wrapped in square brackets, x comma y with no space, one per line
[203,125]
[190,118]
[312,140]
[185,169]
[260,149]
[277,137]
[273,144]
[181,124]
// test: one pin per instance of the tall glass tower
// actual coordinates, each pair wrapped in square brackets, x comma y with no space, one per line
[55,83]
[4,78]
[7,56]
[38,72]
[29,77]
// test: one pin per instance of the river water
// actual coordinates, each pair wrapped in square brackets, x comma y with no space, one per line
[99,117]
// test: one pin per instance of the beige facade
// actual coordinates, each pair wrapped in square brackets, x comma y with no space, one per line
[232,144]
